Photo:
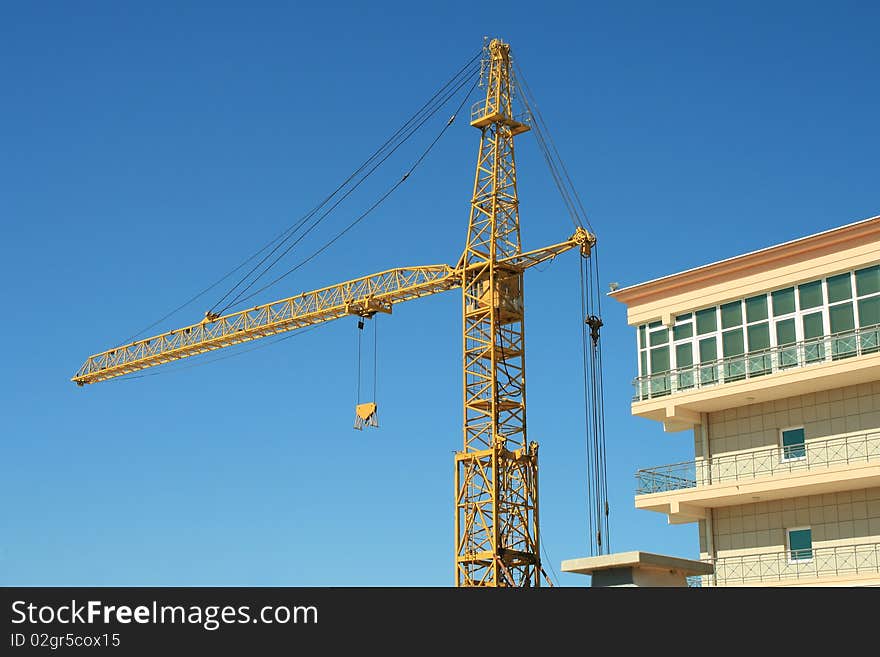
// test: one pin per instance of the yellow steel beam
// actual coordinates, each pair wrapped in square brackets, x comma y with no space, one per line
[376,291]
[361,296]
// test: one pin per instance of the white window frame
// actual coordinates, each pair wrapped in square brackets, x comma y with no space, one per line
[782,457]
[788,550]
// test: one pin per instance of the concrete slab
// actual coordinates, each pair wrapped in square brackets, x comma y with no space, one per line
[637,569]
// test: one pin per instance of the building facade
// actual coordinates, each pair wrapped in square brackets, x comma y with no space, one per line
[771,360]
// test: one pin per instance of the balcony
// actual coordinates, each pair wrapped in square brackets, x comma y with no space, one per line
[679,396]
[840,565]
[685,490]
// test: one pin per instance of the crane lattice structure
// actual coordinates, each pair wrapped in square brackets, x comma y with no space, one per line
[496,478]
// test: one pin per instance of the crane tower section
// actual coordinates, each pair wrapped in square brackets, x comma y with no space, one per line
[496,479]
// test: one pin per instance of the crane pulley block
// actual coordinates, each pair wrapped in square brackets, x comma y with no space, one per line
[368,307]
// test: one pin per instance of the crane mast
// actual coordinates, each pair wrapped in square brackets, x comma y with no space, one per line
[496,478]
[497,542]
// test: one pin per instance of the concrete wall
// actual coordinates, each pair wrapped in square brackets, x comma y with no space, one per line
[836,519]
[853,410]
[846,518]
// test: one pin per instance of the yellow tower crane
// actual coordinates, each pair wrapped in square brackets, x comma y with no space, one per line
[496,474]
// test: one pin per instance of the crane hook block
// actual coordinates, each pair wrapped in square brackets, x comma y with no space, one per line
[366,415]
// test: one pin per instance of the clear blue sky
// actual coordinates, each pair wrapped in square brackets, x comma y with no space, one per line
[148,147]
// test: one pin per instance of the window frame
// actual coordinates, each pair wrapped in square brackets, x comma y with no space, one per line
[770,359]
[788,551]
[782,457]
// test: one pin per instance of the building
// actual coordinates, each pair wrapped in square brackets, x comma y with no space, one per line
[771,361]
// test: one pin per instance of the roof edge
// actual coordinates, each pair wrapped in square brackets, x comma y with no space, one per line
[694,274]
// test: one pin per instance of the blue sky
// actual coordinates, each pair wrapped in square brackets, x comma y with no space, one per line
[148,148]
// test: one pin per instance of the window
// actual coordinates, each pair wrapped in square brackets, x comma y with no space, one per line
[756,308]
[706,322]
[814,344]
[839,288]
[785,335]
[732,347]
[800,544]
[841,320]
[708,356]
[810,294]
[814,321]
[868,281]
[793,445]
[783,301]
[684,360]
[731,314]
[660,366]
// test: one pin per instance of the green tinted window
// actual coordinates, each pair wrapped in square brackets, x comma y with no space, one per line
[708,350]
[684,318]
[841,318]
[706,322]
[759,337]
[684,355]
[800,543]
[732,343]
[839,288]
[783,301]
[813,326]
[810,294]
[659,337]
[643,361]
[659,360]
[682,331]
[868,280]
[785,332]
[643,336]
[793,445]
[869,311]
[756,308]
[731,314]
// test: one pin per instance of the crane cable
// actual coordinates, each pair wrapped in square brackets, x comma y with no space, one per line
[411,131]
[557,167]
[375,205]
[594,408]
[590,322]
[281,237]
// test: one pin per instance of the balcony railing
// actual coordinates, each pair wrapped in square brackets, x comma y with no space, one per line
[810,455]
[479,110]
[757,569]
[758,363]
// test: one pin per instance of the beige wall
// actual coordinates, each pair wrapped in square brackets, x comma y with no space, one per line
[847,518]
[831,413]
[837,520]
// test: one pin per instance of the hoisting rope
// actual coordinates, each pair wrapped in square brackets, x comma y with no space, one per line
[375,205]
[598,507]
[240,295]
[360,333]
[557,167]
[594,408]
[428,109]
[366,412]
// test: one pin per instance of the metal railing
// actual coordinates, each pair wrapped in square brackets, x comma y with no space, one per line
[810,455]
[837,561]
[478,111]
[758,363]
